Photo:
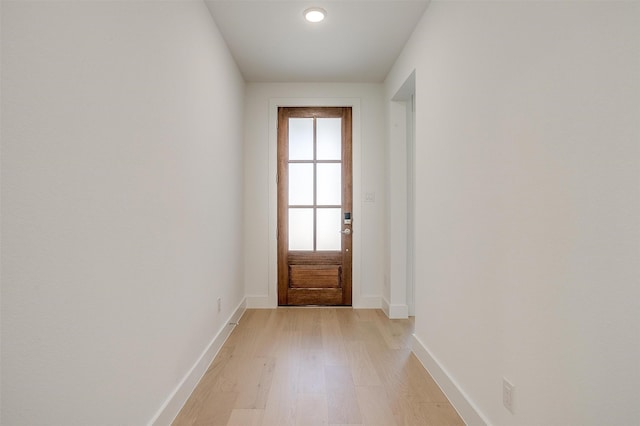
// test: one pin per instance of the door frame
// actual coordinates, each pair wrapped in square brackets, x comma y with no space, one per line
[358,300]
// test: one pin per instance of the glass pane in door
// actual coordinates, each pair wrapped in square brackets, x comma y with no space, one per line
[329,235]
[301,184]
[300,229]
[301,139]
[329,138]
[315,184]
[329,184]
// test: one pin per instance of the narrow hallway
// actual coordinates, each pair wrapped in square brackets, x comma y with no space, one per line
[317,366]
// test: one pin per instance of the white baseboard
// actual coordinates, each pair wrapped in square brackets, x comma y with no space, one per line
[398,311]
[384,306]
[395,311]
[367,302]
[462,404]
[177,399]
[260,302]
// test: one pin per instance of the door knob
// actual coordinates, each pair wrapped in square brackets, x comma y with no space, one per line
[347,231]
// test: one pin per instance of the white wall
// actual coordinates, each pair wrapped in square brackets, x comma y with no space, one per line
[121,183]
[527,206]
[261,102]
[395,294]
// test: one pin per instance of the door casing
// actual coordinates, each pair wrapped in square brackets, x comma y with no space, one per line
[270,300]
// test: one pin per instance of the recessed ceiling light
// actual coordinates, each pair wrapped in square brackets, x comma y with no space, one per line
[314,14]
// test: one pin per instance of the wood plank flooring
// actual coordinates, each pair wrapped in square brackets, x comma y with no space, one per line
[317,366]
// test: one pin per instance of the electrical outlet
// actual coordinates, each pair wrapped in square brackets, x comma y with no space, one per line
[219,304]
[508,391]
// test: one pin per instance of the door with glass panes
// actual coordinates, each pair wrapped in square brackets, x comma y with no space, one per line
[314,206]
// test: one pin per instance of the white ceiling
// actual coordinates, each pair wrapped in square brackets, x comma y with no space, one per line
[357,42]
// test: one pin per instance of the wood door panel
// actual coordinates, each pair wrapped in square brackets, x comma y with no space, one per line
[317,258]
[313,276]
[315,296]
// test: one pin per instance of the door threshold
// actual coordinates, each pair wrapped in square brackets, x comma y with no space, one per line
[317,306]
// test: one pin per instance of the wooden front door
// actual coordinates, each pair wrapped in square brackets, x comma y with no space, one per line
[314,206]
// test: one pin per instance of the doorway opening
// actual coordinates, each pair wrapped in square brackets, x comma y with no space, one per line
[406,97]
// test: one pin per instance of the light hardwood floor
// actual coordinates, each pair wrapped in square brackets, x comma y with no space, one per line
[317,366]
